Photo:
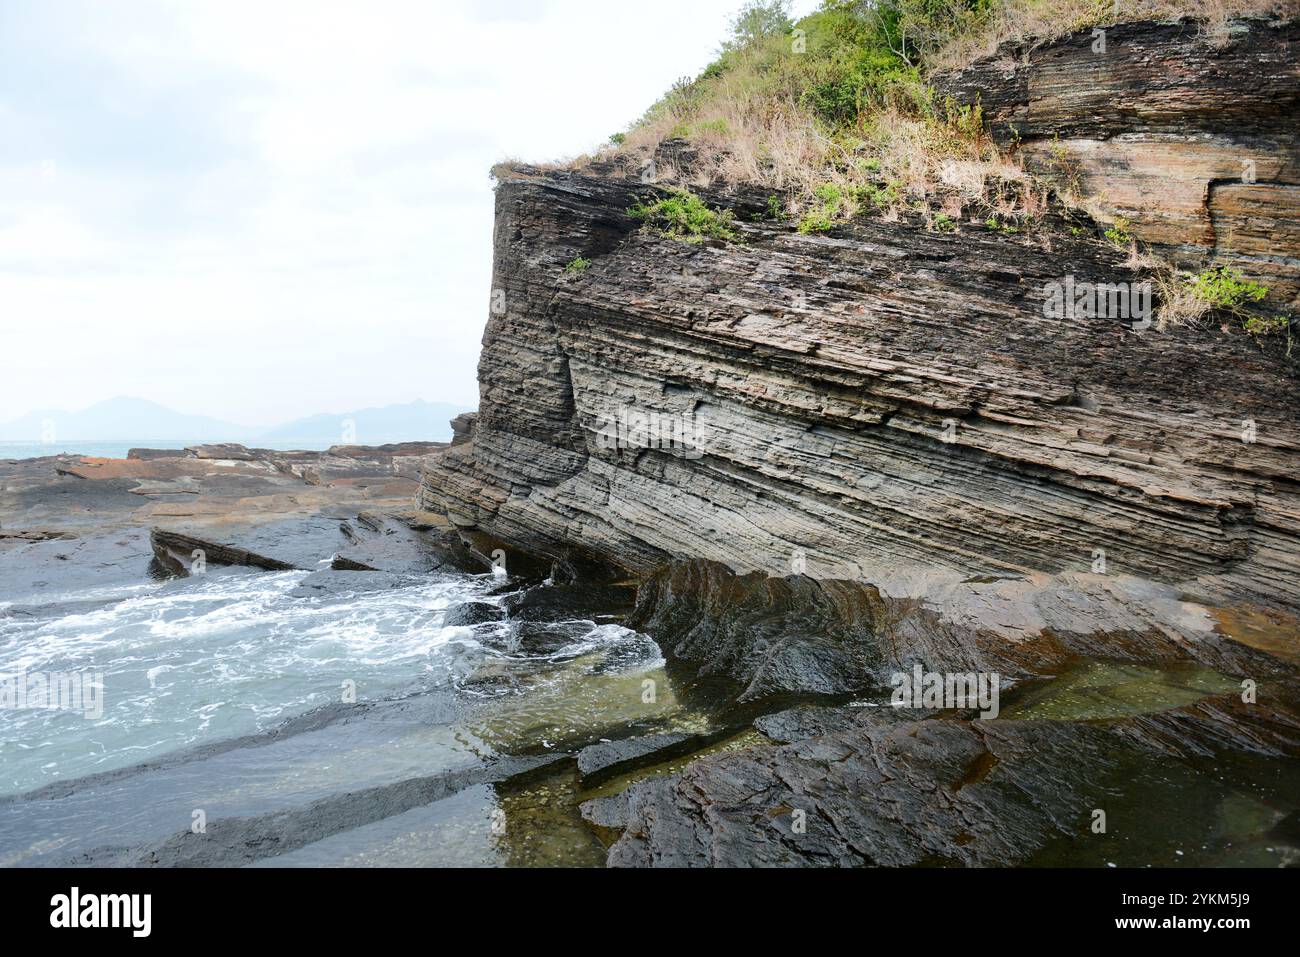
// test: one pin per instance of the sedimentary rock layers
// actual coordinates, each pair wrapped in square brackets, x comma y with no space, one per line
[882,403]
[1187,131]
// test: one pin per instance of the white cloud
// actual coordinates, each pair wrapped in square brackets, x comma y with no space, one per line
[260,210]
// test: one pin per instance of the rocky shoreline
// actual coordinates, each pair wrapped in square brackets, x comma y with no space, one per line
[801,762]
[884,456]
[69,520]
[894,456]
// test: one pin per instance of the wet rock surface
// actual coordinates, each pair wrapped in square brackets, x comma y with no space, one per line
[176,552]
[403,543]
[607,759]
[871,787]
[35,571]
[763,636]
[263,795]
[472,613]
[568,602]
[333,583]
[236,842]
[419,777]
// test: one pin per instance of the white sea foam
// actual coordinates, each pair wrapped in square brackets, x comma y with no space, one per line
[224,655]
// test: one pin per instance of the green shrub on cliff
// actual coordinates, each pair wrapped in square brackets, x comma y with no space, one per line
[833,204]
[685,216]
[1223,288]
[1118,233]
[1188,299]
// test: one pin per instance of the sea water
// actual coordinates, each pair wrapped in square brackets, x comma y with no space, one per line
[229,696]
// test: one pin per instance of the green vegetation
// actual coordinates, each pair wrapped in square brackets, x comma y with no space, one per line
[880,196]
[1118,233]
[683,215]
[842,95]
[774,211]
[577,266]
[1266,325]
[1189,299]
[1222,288]
[834,101]
[816,221]
[758,21]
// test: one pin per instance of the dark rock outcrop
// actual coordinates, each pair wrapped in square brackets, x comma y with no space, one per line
[227,451]
[401,544]
[879,788]
[547,603]
[764,635]
[333,583]
[471,613]
[176,553]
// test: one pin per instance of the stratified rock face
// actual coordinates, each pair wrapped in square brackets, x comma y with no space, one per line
[1189,133]
[883,403]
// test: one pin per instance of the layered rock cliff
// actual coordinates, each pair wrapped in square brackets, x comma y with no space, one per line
[1189,134]
[890,404]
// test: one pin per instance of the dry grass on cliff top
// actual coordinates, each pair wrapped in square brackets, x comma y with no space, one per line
[830,116]
[835,115]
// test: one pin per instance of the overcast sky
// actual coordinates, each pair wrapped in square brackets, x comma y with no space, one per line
[263,210]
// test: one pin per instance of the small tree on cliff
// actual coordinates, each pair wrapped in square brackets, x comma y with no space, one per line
[758,20]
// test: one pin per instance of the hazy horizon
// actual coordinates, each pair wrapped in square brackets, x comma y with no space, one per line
[132,422]
[255,212]
[251,427]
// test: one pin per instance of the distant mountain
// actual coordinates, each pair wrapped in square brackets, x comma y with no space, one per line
[121,419]
[139,421]
[413,422]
